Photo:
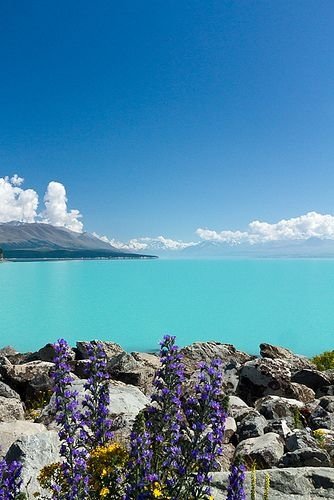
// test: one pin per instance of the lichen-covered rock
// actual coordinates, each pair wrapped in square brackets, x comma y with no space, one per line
[300,392]
[126,368]
[294,361]
[207,351]
[265,450]
[275,407]
[10,409]
[28,379]
[7,392]
[262,377]
[237,408]
[110,348]
[34,452]
[11,431]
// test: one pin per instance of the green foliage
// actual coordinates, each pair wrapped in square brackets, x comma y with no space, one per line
[253,481]
[266,487]
[34,406]
[324,361]
[320,436]
[297,421]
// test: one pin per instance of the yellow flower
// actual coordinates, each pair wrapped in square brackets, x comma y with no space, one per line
[104,492]
[157,493]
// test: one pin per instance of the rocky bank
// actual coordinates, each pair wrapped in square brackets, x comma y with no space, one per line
[281,411]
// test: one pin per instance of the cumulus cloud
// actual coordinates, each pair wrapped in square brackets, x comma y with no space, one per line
[147,243]
[56,212]
[310,225]
[17,204]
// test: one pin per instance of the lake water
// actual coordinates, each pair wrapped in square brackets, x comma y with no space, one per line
[244,302]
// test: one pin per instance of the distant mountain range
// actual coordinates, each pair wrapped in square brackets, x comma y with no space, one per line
[25,241]
[309,248]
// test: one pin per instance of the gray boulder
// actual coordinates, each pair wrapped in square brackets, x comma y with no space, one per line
[305,457]
[207,351]
[275,407]
[111,349]
[294,361]
[126,401]
[7,392]
[321,419]
[126,368]
[34,452]
[46,353]
[327,402]
[11,409]
[304,483]
[237,408]
[300,439]
[265,450]
[262,377]
[230,429]
[251,425]
[28,379]
[311,378]
[11,431]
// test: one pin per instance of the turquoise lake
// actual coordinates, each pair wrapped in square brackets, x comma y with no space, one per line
[244,302]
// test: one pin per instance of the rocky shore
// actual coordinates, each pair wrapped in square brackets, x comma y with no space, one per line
[281,411]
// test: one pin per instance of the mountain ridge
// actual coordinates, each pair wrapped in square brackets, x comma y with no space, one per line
[25,241]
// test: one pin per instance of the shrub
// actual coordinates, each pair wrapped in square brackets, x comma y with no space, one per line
[324,361]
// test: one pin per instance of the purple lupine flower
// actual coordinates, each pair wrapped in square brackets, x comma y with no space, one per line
[206,420]
[236,480]
[97,397]
[10,479]
[69,419]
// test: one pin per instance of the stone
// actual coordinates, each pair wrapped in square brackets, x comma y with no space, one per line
[7,392]
[226,459]
[327,390]
[147,359]
[126,401]
[300,392]
[276,407]
[11,409]
[321,419]
[47,353]
[302,483]
[28,379]
[127,369]
[265,450]
[110,348]
[252,425]
[311,378]
[237,407]
[327,402]
[34,452]
[294,361]
[263,376]
[230,429]
[11,431]
[305,457]
[281,426]
[299,439]
[207,351]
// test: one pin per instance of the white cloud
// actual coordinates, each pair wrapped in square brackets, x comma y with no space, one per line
[310,225]
[17,204]
[147,243]
[56,213]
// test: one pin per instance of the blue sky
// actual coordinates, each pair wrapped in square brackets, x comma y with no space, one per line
[161,117]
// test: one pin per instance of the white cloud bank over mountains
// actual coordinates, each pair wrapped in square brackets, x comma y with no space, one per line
[18,204]
[310,225]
